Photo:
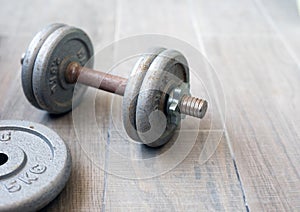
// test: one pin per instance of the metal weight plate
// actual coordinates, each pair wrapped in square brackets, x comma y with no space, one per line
[35,165]
[168,70]
[65,45]
[133,88]
[29,59]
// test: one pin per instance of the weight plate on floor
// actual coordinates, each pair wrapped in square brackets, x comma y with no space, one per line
[133,88]
[52,92]
[29,59]
[35,165]
[154,125]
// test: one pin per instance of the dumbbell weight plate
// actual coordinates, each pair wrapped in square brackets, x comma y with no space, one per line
[132,90]
[29,59]
[65,45]
[35,165]
[168,70]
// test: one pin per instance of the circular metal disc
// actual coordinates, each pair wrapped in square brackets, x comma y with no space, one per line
[29,59]
[133,88]
[35,165]
[168,70]
[65,45]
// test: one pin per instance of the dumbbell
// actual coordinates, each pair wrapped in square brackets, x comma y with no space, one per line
[157,93]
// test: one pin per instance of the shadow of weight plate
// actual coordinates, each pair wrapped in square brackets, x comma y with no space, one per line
[66,44]
[35,165]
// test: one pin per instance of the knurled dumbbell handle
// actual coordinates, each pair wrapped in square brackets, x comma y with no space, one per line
[189,105]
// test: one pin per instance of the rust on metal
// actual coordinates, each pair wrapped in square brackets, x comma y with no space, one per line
[101,80]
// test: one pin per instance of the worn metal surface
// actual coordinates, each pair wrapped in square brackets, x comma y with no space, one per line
[35,165]
[29,58]
[132,90]
[154,125]
[65,45]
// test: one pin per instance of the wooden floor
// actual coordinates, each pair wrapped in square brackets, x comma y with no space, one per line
[254,47]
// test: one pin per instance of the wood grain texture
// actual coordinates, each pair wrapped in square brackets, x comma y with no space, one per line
[253,47]
[260,73]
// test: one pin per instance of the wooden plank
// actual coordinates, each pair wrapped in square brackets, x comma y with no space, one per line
[190,186]
[260,120]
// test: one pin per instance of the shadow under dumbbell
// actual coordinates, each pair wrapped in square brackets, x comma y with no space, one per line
[57,116]
[150,152]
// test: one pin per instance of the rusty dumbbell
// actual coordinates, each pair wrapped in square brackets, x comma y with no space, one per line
[157,91]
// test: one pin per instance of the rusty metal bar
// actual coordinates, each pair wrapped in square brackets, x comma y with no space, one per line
[97,79]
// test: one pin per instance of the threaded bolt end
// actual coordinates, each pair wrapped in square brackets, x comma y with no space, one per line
[193,106]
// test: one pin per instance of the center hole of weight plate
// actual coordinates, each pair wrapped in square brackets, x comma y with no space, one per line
[3,158]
